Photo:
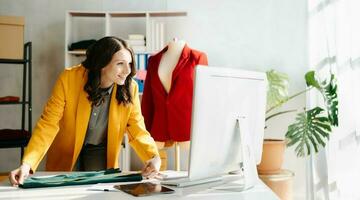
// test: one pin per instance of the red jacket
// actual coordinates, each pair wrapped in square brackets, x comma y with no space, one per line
[168,116]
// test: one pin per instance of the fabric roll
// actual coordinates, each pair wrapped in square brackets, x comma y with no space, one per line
[80,178]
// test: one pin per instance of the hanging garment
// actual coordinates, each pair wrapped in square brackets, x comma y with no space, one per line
[168,115]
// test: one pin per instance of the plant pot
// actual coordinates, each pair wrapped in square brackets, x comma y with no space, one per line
[272,156]
[280,183]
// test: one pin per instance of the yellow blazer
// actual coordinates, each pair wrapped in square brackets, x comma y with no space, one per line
[62,126]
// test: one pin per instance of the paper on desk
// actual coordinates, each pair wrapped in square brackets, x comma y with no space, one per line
[108,187]
[171,174]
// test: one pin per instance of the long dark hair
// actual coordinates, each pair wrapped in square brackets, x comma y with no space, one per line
[98,56]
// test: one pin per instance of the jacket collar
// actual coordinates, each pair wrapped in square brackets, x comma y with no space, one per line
[185,54]
[82,116]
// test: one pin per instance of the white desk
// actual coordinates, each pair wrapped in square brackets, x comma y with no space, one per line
[201,192]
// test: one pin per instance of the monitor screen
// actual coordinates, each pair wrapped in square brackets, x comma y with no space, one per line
[221,96]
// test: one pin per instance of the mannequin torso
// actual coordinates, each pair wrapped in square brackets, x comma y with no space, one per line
[167,65]
[169,61]
[167,98]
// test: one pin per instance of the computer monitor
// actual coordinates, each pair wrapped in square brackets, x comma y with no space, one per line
[228,121]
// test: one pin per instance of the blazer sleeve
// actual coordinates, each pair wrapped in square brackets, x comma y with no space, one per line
[47,126]
[147,104]
[139,138]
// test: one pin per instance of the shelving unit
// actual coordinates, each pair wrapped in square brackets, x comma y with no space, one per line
[19,138]
[84,25]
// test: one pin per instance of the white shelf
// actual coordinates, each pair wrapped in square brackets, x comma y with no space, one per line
[127,14]
[167,14]
[87,14]
[77,52]
[85,25]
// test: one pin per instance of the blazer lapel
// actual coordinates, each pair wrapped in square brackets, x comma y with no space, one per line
[114,124]
[181,63]
[82,119]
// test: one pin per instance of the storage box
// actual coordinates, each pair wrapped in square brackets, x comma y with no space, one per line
[12,37]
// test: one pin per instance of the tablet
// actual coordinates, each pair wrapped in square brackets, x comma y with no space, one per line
[144,189]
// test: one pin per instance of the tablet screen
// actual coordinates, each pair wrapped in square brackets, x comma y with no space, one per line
[144,189]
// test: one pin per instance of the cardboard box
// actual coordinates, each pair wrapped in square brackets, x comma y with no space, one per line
[12,37]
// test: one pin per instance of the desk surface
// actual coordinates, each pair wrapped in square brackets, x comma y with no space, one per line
[201,192]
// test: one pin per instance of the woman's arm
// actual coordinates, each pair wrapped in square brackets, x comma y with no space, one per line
[141,140]
[44,133]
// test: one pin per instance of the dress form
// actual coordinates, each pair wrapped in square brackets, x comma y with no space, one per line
[167,65]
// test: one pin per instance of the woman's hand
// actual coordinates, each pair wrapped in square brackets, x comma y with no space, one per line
[152,167]
[18,175]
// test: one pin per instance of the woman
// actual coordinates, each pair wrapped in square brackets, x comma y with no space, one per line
[84,120]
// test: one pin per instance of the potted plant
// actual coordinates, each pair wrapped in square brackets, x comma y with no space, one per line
[311,128]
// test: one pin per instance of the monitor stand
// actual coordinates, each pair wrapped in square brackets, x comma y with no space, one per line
[247,171]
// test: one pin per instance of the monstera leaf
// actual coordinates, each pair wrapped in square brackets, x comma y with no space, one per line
[278,85]
[311,128]
[328,89]
[309,131]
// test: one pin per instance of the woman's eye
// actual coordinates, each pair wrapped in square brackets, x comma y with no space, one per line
[120,63]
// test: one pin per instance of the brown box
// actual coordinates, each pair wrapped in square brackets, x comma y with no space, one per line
[12,37]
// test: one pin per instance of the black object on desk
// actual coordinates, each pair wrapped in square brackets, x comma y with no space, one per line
[144,189]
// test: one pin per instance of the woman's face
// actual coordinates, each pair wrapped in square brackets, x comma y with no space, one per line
[117,70]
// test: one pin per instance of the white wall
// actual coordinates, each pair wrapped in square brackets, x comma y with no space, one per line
[249,34]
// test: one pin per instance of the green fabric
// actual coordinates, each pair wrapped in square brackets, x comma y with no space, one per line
[81,178]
